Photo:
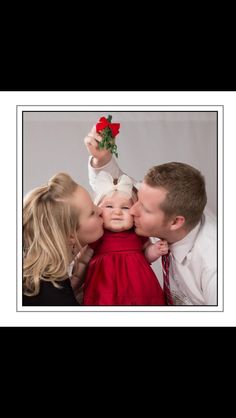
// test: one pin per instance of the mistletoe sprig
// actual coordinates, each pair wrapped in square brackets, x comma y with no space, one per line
[108,131]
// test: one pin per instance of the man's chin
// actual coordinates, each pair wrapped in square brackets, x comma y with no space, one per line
[139,231]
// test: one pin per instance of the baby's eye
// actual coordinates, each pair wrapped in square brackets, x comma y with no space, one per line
[125,207]
[109,206]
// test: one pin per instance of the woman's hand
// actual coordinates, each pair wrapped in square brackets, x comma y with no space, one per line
[81,261]
[83,257]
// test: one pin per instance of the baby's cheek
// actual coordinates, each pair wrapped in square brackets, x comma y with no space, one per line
[131,219]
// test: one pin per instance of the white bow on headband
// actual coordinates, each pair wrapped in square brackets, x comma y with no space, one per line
[104,184]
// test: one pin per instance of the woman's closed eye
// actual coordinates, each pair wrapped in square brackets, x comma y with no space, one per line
[109,206]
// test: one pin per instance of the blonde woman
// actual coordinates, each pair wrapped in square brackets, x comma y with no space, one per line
[59,220]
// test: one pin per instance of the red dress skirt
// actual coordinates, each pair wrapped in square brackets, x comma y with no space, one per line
[119,274]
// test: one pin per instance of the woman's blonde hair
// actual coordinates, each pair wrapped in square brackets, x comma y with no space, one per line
[48,222]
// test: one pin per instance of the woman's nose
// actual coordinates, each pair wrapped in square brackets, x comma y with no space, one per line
[133,210]
[99,211]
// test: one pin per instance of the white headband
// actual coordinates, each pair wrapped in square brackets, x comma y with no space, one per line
[104,184]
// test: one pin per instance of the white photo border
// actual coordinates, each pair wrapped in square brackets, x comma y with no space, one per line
[220,208]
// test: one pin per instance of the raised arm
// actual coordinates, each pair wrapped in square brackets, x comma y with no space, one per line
[100,159]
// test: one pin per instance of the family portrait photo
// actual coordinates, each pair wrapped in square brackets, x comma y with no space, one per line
[120,208]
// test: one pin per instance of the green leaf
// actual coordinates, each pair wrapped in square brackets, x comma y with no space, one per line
[107,139]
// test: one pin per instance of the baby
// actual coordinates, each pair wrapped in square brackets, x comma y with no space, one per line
[119,272]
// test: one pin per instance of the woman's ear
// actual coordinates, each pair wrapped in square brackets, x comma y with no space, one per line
[72,240]
[177,223]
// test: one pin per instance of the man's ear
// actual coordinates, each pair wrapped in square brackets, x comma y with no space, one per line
[177,223]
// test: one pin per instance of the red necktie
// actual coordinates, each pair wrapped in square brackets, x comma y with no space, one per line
[166,282]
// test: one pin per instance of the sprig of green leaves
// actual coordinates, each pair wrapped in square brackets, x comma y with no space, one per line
[108,141]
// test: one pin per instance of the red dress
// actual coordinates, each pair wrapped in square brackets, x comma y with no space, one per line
[119,274]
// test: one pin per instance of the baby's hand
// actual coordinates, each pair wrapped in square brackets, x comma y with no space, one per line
[162,247]
[100,156]
[154,251]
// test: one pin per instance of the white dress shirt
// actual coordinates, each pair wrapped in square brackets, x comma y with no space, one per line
[193,273]
[193,260]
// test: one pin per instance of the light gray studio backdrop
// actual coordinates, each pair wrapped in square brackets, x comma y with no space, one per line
[54,142]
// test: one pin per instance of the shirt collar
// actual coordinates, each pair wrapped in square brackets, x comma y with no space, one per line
[180,249]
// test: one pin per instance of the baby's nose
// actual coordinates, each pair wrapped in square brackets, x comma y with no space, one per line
[117,210]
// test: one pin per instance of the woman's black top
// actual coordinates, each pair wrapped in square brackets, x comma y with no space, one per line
[50,295]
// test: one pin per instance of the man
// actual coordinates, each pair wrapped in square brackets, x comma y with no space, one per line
[171,203]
